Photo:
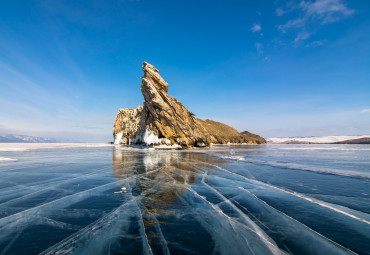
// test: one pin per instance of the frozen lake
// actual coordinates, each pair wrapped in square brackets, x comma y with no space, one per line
[237,199]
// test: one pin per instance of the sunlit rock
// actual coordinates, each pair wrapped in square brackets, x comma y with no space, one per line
[164,122]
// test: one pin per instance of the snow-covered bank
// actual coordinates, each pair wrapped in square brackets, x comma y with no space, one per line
[35,146]
[7,159]
[315,139]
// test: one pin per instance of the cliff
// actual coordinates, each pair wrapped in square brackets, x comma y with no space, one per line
[163,120]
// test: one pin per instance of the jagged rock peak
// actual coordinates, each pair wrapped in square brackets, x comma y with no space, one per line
[152,74]
[163,120]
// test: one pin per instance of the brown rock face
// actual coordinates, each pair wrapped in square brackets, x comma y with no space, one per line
[167,117]
[164,120]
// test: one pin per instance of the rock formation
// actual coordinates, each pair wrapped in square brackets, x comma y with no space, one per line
[165,121]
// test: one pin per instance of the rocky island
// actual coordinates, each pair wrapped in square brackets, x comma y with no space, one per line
[164,121]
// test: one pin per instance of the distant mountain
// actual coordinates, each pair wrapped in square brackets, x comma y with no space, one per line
[317,139]
[24,139]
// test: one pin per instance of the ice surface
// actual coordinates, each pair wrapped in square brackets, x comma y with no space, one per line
[96,237]
[24,193]
[234,199]
[347,212]
[302,167]
[23,219]
[220,225]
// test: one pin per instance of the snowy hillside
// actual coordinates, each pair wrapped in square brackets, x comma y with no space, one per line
[315,139]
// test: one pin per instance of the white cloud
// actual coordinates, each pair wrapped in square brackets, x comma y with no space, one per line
[256,27]
[326,11]
[314,12]
[366,110]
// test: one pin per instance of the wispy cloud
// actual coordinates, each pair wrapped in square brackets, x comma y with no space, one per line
[316,43]
[259,48]
[301,37]
[280,12]
[319,12]
[261,51]
[366,110]
[296,23]
[256,27]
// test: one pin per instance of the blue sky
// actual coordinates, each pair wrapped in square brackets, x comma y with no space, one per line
[275,68]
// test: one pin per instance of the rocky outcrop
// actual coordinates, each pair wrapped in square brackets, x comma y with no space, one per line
[163,120]
[128,125]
